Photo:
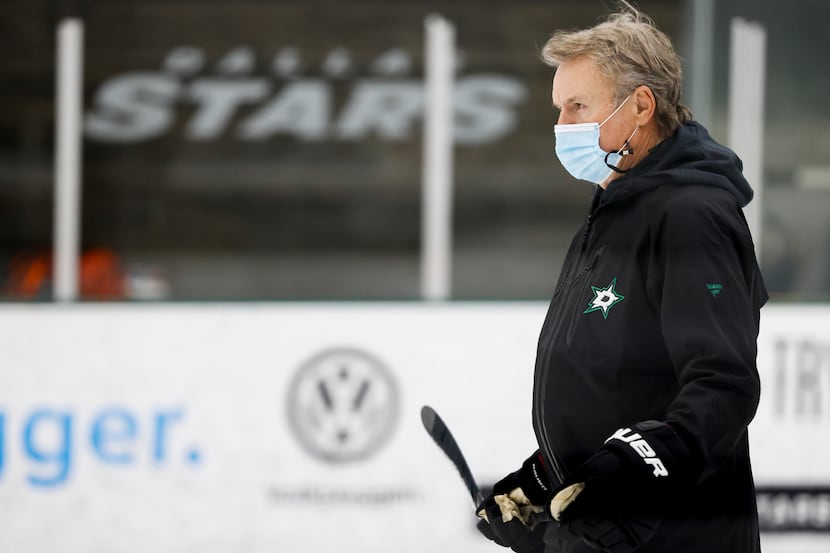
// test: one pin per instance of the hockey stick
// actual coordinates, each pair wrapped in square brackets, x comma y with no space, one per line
[437,429]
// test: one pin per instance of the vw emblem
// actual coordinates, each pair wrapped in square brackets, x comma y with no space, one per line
[342,405]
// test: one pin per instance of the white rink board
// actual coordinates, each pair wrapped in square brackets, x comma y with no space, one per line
[166,428]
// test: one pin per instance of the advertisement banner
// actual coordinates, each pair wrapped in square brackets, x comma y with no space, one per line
[262,427]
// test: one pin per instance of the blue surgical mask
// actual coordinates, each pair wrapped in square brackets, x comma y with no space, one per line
[577,147]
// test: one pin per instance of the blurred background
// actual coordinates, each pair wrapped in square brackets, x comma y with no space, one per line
[255,150]
[251,201]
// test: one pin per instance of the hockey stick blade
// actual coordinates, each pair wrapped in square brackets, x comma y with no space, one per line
[441,435]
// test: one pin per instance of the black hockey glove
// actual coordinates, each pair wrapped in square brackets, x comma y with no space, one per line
[503,523]
[531,481]
[509,515]
[615,500]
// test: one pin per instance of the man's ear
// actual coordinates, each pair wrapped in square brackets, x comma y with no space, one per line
[644,104]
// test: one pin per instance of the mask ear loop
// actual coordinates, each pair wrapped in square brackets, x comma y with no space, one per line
[626,150]
[613,113]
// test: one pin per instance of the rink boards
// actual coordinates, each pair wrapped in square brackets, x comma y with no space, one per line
[295,427]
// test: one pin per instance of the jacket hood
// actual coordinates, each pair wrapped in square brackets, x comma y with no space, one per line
[690,156]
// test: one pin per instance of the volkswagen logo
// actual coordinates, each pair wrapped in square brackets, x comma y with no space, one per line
[342,405]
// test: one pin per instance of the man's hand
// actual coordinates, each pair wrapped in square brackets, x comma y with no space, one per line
[513,506]
[508,514]
[509,524]
[639,470]
[614,500]
[563,498]
[531,480]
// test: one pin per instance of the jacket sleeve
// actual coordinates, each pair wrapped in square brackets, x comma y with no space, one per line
[704,282]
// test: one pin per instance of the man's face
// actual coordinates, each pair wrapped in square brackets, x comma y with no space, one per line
[584,95]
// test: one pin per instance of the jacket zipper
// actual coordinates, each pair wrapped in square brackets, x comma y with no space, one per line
[583,241]
[586,232]
[547,447]
[551,455]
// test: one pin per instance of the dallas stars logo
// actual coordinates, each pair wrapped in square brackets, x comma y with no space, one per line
[604,299]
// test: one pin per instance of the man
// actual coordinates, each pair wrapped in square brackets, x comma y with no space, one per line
[645,375]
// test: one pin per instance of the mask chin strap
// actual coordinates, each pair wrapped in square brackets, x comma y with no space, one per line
[626,150]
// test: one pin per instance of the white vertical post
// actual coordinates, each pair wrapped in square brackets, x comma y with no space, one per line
[747,78]
[69,99]
[436,204]
[700,78]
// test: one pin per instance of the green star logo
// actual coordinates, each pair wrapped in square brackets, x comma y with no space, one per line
[604,298]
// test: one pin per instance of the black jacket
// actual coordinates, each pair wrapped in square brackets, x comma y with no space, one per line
[655,317]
